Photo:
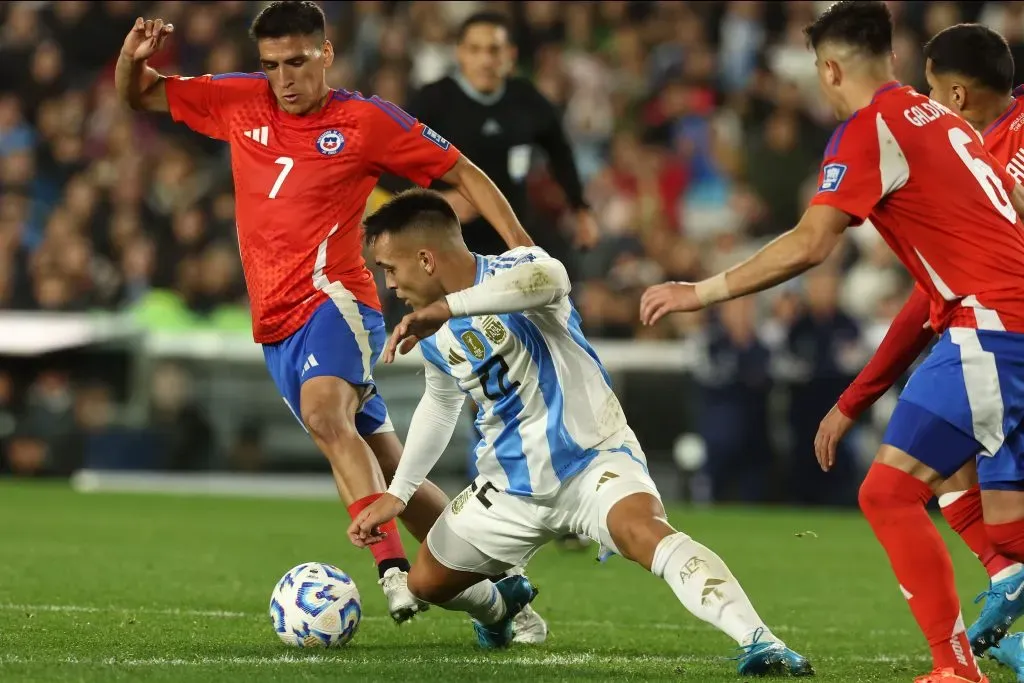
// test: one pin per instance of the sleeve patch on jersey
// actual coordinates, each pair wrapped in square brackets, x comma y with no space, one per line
[430,134]
[831,177]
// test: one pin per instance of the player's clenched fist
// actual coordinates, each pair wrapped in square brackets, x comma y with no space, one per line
[365,528]
[668,297]
[146,38]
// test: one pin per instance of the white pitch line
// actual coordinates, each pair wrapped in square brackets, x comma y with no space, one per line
[692,627]
[551,660]
[168,611]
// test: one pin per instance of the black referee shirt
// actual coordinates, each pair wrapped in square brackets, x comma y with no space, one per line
[497,133]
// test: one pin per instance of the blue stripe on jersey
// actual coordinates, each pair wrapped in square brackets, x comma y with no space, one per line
[576,332]
[395,109]
[567,457]
[406,122]
[833,144]
[995,124]
[481,268]
[627,451]
[238,74]
[428,347]
[508,446]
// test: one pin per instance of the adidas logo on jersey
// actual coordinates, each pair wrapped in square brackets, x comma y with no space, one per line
[491,127]
[607,476]
[454,358]
[260,135]
[310,363]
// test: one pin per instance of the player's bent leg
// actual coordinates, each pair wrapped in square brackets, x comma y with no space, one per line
[460,582]
[638,527]
[960,501]
[961,504]
[1004,518]
[328,409]
[892,498]
[425,508]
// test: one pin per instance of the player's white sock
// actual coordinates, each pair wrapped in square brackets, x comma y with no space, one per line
[707,588]
[482,601]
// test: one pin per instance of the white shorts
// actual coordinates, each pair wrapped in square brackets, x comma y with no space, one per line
[486,531]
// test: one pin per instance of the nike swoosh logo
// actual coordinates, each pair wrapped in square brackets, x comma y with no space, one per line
[1015,594]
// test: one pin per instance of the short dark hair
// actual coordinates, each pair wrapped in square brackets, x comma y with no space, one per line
[974,51]
[862,24]
[416,208]
[485,19]
[289,18]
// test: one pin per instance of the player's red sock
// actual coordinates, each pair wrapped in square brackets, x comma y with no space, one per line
[963,513]
[389,552]
[1008,538]
[894,504]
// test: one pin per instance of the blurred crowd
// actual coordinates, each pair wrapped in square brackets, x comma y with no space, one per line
[697,129]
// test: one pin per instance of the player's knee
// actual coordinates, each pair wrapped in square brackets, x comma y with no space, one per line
[636,540]
[428,588]
[637,524]
[871,497]
[327,424]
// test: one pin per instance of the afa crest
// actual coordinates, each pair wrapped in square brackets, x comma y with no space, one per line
[330,142]
[494,330]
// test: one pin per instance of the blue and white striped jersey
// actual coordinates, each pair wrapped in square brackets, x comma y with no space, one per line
[545,401]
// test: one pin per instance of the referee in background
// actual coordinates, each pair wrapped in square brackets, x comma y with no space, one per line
[496,120]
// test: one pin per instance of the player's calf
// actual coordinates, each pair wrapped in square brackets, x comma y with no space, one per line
[493,606]
[700,579]
[328,408]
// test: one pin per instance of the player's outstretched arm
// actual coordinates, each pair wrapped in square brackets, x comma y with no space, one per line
[908,335]
[487,199]
[432,426]
[531,283]
[138,85]
[431,429]
[785,257]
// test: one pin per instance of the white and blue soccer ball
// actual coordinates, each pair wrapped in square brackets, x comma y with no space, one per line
[315,605]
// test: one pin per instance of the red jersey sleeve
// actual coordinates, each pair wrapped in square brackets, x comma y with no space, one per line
[850,179]
[404,147]
[908,335]
[201,102]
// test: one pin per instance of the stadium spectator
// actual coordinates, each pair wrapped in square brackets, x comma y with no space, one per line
[695,127]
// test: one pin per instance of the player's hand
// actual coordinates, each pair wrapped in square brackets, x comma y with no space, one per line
[417,325]
[146,38]
[364,530]
[830,432]
[668,297]
[587,231]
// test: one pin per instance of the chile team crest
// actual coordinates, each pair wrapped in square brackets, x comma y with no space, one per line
[330,142]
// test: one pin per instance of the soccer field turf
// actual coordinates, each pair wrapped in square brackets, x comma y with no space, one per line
[161,588]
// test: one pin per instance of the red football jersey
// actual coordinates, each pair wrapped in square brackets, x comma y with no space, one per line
[1004,139]
[939,199]
[301,185]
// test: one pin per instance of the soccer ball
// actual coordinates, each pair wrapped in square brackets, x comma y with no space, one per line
[315,605]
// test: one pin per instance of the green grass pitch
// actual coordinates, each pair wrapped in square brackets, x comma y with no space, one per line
[164,588]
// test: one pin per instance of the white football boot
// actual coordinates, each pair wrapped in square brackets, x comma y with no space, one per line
[402,604]
[529,627]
